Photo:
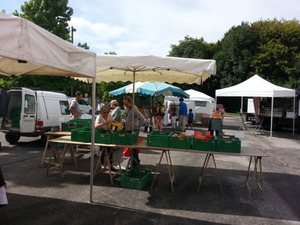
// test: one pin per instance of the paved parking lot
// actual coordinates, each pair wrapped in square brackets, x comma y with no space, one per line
[37,199]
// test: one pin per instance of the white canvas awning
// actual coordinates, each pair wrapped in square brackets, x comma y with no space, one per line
[258,87]
[197,95]
[27,49]
[153,68]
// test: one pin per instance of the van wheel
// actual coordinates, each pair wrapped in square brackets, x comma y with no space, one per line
[12,138]
[90,112]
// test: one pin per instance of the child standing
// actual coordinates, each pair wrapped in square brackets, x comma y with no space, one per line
[190,119]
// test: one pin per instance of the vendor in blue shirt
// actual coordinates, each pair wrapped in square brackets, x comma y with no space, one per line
[182,114]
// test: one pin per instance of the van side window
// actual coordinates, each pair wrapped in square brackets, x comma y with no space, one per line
[201,103]
[64,107]
[29,104]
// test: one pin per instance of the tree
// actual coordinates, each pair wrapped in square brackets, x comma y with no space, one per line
[278,55]
[234,55]
[85,46]
[51,15]
[191,48]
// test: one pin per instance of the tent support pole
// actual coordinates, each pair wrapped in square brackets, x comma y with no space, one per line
[92,140]
[133,96]
[294,102]
[271,124]
[241,109]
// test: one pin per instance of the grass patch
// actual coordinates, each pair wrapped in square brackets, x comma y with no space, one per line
[233,114]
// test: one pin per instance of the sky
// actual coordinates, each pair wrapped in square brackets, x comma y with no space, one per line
[150,27]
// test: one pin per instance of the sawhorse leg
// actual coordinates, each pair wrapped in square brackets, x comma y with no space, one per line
[106,164]
[45,150]
[205,163]
[170,168]
[73,158]
[256,174]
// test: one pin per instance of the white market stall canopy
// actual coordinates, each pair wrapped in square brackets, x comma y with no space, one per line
[256,87]
[153,68]
[197,95]
[29,49]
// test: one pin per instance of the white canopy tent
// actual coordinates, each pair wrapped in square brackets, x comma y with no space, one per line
[197,95]
[27,49]
[258,87]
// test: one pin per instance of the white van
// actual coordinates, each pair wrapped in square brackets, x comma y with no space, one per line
[199,106]
[32,113]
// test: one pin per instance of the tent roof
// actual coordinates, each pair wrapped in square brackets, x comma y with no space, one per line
[153,68]
[29,49]
[197,95]
[256,87]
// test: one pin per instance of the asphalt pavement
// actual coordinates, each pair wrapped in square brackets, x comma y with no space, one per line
[35,198]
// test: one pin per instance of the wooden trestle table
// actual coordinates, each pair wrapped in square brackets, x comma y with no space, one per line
[254,173]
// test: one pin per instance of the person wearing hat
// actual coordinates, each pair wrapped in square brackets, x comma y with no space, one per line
[182,114]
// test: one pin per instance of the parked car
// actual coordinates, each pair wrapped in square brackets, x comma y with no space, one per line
[83,106]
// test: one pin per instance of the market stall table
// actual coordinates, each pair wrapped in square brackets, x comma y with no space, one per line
[50,135]
[246,151]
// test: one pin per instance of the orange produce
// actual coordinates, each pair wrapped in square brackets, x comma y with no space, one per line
[208,135]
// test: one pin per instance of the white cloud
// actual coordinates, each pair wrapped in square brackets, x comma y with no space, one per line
[142,27]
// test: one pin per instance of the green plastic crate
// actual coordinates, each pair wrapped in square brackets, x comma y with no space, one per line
[136,179]
[65,126]
[76,124]
[103,136]
[81,135]
[228,144]
[124,137]
[158,139]
[179,142]
[204,144]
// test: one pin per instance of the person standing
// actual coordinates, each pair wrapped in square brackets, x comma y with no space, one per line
[182,114]
[116,112]
[74,107]
[99,106]
[159,116]
[190,119]
[134,120]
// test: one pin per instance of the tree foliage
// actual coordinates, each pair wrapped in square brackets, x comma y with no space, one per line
[278,51]
[51,15]
[234,55]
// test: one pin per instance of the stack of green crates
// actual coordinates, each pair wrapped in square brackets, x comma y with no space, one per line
[16,116]
[158,139]
[81,135]
[76,124]
[204,144]
[136,179]
[179,142]
[227,143]
[103,136]
[124,137]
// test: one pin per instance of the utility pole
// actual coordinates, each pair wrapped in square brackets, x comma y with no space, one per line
[72,35]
